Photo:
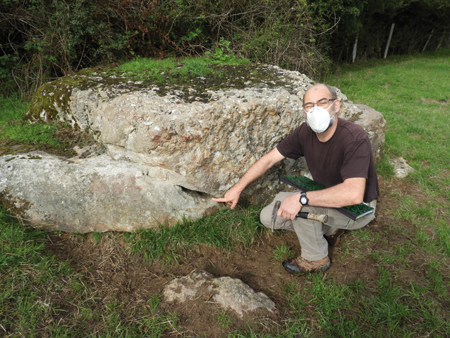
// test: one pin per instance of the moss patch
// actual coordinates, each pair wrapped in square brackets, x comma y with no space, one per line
[10,147]
[355,117]
[52,98]
[14,205]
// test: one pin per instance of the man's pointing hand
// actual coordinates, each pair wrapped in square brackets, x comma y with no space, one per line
[231,198]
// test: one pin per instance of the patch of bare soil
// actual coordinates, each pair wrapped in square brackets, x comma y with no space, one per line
[443,101]
[113,272]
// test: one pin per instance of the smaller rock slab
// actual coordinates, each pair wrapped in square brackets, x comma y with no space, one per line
[229,293]
[95,194]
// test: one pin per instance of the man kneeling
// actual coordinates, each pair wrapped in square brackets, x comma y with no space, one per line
[339,157]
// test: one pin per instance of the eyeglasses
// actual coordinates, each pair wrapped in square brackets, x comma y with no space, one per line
[323,103]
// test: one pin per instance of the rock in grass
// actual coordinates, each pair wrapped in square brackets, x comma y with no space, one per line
[230,293]
[401,168]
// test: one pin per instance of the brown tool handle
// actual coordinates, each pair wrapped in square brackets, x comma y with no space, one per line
[314,217]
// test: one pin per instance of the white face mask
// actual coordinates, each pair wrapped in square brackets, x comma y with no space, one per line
[319,119]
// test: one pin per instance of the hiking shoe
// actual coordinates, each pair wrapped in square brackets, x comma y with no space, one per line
[299,264]
[333,239]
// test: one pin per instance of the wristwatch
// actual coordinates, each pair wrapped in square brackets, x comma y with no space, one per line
[303,199]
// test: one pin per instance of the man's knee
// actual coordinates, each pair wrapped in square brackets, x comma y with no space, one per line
[266,216]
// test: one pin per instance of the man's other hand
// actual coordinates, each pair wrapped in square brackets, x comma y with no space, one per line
[290,207]
[231,197]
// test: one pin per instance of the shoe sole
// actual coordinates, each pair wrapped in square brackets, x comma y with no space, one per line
[293,269]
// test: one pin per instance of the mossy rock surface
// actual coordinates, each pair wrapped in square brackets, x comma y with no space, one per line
[51,101]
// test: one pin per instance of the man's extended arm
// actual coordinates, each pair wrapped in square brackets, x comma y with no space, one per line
[349,192]
[255,171]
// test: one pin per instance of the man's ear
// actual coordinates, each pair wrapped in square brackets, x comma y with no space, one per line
[337,106]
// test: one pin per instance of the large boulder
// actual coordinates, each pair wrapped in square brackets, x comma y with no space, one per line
[198,141]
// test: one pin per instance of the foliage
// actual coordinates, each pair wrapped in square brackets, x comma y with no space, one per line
[43,39]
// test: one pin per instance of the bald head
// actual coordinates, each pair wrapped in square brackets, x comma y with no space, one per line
[321,88]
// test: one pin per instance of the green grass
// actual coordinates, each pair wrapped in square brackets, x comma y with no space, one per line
[25,276]
[224,320]
[224,230]
[282,252]
[33,282]
[12,126]
[166,69]
[407,90]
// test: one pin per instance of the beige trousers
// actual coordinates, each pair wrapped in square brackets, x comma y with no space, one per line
[310,233]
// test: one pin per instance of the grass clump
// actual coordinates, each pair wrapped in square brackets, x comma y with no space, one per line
[12,126]
[223,230]
[283,252]
[172,70]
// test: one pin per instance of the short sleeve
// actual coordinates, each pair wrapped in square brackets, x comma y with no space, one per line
[291,146]
[356,159]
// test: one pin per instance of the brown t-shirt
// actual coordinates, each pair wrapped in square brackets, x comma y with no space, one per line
[347,154]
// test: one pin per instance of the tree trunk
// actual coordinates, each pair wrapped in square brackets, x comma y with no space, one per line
[429,38]
[389,41]
[440,41]
[355,46]
[340,54]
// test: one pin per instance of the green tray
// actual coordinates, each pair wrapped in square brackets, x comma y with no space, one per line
[306,184]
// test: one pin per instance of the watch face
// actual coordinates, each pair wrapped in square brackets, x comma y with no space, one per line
[303,200]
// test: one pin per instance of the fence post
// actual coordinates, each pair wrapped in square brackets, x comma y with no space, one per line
[389,41]
[355,46]
[429,38]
